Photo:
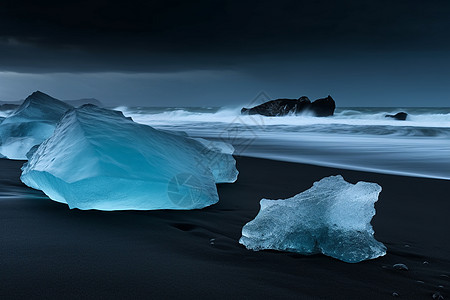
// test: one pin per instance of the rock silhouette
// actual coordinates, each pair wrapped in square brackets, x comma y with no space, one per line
[398,116]
[323,107]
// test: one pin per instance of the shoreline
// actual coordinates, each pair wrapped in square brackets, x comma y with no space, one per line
[48,250]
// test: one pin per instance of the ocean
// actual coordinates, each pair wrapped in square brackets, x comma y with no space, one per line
[357,138]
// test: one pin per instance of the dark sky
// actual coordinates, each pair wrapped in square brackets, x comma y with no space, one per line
[370,53]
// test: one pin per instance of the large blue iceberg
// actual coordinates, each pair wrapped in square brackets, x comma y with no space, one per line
[99,159]
[332,217]
[30,124]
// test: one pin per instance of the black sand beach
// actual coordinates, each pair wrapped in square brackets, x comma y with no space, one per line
[50,251]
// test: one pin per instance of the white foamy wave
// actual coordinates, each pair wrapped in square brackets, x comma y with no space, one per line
[179,115]
[425,118]
[5,113]
[232,115]
[431,118]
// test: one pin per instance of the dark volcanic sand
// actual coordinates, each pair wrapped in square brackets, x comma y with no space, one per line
[50,251]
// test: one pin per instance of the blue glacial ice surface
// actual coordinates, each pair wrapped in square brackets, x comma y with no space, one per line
[30,124]
[99,159]
[332,217]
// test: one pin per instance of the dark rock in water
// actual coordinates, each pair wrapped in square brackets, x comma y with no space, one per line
[323,107]
[80,102]
[401,267]
[117,112]
[8,106]
[12,105]
[398,116]
[281,107]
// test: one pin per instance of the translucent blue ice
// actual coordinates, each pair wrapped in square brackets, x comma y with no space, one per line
[99,159]
[220,160]
[30,124]
[332,217]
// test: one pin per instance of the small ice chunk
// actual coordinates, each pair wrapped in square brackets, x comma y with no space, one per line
[99,159]
[401,267]
[438,296]
[30,124]
[332,217]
